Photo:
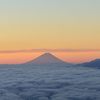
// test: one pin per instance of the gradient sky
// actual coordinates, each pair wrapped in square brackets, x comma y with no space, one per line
[49,24]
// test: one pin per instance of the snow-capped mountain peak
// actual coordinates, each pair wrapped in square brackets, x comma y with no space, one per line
[46,58]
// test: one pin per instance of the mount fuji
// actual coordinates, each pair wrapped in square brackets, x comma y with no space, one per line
[46,59]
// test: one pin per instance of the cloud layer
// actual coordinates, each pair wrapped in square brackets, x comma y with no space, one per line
[49,83]
[50,50]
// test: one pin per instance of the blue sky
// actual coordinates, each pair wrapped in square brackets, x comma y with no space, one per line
[50,9]
[69,5]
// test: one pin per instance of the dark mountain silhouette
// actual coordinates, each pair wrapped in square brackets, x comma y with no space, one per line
[95,63]
[46,58]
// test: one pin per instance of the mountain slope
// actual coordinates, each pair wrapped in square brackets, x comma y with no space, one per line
[46,58]
[94,63]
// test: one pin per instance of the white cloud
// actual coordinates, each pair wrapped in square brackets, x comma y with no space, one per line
[49,83]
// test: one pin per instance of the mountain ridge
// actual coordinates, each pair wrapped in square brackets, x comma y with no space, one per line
[94,63]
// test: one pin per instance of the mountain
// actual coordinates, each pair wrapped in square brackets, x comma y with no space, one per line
[95,63]
[46,59]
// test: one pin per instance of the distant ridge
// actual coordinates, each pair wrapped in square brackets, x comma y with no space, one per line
[94,64]
[46,58]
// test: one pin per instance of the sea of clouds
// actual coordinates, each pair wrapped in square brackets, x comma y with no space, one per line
[24,82]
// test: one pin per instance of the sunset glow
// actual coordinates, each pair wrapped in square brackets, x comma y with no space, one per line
[49,24]
[72,57]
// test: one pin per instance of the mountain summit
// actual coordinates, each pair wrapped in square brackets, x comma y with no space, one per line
[46,58]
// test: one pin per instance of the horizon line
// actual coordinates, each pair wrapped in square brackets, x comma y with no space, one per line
[49,50]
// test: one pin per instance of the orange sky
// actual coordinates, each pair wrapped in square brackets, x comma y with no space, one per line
[73,57]
[49,24]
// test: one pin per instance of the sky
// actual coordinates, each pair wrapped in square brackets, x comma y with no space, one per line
[49,24]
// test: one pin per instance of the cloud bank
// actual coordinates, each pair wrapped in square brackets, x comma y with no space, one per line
[26,82]
[50,50]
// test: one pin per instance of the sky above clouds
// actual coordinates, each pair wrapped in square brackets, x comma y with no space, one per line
[49,24]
